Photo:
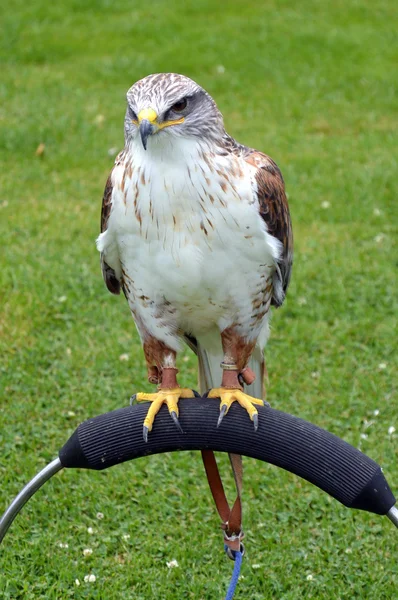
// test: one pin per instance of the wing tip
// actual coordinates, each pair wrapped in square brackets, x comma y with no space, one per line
[113,285]
[111,281]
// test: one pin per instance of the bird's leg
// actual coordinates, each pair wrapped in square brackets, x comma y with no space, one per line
[237,352]
[161,362]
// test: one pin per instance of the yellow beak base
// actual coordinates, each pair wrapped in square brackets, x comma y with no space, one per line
[148,114]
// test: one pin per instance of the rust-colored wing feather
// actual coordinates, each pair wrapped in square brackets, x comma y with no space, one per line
[106,203]
[274,210]
[112,282]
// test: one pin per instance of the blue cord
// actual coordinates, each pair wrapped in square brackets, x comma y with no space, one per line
[235,574]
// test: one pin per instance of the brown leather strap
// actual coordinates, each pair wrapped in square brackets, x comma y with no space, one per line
[169,378]
[231,518]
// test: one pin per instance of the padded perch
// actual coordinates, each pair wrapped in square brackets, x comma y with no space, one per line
[288,442]
[282,440]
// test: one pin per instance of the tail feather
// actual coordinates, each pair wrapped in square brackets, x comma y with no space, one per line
[210,372]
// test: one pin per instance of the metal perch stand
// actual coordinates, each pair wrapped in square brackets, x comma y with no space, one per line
[283,440]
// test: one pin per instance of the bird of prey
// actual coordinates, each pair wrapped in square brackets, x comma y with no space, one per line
[196,231]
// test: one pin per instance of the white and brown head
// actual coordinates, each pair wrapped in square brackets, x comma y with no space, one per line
[168,104]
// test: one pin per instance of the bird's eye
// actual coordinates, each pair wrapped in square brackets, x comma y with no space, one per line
[180,105]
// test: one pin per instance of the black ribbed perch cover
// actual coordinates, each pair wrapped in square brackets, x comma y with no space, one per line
[282,440]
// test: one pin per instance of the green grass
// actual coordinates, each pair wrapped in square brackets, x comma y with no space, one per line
[310,83]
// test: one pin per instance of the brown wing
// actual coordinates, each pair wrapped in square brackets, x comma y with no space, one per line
[274,209]
[112,282]
[106,203]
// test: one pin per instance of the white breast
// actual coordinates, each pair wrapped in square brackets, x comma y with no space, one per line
[188,231]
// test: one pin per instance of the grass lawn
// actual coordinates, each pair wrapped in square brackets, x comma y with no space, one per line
[311,84]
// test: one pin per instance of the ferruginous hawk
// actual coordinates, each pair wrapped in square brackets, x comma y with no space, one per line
[196,231]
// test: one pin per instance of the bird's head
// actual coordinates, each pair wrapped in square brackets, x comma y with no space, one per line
[168,104]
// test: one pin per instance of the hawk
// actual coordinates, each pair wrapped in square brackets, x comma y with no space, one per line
[196,231]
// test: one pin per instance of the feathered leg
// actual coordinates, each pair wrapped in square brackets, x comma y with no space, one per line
[237,352]
[161,364]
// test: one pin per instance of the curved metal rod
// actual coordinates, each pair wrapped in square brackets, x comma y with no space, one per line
[51,469]
[27,492]
[393,515]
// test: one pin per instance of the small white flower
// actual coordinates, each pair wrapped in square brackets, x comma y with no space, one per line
[257,566]
[70,413]
[376,212]
[87,551]
[90,530]
[172,564]
[364,436]
[315,374]
[126,536]
[310,577]
[382,366]
[62,299]
[62,545]
[391,430]
[90,578]
[348,551]
[376,412]
[325,204]
[100,515]
[124,357]
[220,69]
[186,358]
[379,238]
[301,301]
[77,582]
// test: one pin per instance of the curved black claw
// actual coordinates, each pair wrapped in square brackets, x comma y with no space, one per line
[133,398]
[223,411]
[173,415]
[255,421]
[145,432]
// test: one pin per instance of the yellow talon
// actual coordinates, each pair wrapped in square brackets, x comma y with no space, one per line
[229,396]
[169,396]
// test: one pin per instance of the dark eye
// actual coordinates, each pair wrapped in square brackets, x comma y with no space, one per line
[180,105]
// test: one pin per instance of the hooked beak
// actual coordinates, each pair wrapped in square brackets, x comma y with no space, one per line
[147,121]
[146,129]
[148,124]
